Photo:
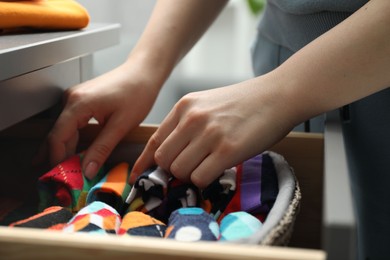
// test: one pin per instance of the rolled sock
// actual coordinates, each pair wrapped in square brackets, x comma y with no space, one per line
[136,223]
[13,210]
[113,188]
[217,196]
[192,224]
[157,193]
[257,187]
[97,217]
[151,187]
[181,195]
[238,225]
[65,185]
[57,227]
[48,218]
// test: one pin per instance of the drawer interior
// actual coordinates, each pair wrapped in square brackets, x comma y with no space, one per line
[303,151]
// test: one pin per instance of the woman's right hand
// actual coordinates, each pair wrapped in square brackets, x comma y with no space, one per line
[119,100]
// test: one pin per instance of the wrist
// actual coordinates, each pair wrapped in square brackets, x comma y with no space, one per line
[279,101]
[150,65]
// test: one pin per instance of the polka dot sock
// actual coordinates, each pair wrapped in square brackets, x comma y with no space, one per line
[238,225]
[192,224]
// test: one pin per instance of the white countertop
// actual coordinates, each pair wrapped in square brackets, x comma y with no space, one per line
[22,53]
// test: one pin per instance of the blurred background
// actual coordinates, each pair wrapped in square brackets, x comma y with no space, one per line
[220,58]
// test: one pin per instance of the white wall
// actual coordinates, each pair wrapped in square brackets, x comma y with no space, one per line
[221,57]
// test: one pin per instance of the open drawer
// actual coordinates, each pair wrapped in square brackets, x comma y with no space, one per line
[304,152]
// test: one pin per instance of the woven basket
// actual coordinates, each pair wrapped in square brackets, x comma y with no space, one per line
[279,225]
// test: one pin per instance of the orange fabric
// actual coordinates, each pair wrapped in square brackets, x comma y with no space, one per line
[135,219]
[116,179]
[58,227]
[43,14]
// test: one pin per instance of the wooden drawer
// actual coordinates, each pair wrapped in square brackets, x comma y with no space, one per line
[304,152]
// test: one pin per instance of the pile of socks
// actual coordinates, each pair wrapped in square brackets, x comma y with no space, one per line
[155,203]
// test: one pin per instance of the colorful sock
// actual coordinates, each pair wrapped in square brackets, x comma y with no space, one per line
[238,225]
[192,224]
[151,187]
[12,210]
[179,195]
[58,227]
[113,189]
[65,185]
[257,187]
[219,193]
[136,223]
[97,217]
[48,218]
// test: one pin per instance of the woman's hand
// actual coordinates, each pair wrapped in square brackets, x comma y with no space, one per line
[207,132]
[210,131]
[119,100]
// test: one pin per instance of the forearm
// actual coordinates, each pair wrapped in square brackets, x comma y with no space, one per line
[349,62]
[173,29]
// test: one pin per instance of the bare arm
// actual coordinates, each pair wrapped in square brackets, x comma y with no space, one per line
[120,99]
[209,131]
[349,62]
[173,29]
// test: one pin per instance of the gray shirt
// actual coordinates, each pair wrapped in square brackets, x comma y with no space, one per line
[294,23]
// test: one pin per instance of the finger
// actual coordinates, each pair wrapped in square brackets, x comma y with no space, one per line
[189,159]
[43,150]
[98,152]
[71,145]
[172,146]
[208,170]
[147,157]
[62,133]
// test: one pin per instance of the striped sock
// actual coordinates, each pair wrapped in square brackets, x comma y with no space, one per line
[257,187]
[48,218]
[113,189]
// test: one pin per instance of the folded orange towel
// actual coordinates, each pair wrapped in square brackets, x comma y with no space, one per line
[43,14]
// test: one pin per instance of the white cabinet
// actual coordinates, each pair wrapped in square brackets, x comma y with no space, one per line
[35,68]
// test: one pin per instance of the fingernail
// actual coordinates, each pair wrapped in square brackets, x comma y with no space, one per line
[91,170]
